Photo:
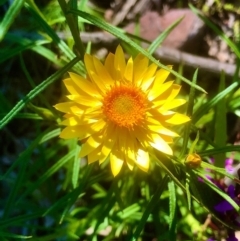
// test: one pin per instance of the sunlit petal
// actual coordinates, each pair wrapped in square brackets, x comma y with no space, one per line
[116,163]
[119,61]
[140,65]
[79,132]
[90,145]
[148,77]
[84,84]
[142,159]
[109,64]
[159,144]
[129,70]
[178,119]
[173,104]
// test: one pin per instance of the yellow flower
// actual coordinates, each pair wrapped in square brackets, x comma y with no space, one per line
[121,110]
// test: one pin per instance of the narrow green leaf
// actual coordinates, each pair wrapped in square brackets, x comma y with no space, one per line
[29,116]
[177,181]
[172,202]
[9,53]
[187,126]
[107,204]
[52,34]
[65,201]
[128,211]
[219,191]
[218,170]
[33,93]
[187,185]
[24,44]
[215,151]
[116,32]
[10,16]
[15,236]
[75,195]
[150,206]
[11,200]
[220,134]
[49,135]
[192,148]
[46,135]
[155,44]
[48,174]
[73,25]
[219,33]
[76,167]
[211,103]
[10,222]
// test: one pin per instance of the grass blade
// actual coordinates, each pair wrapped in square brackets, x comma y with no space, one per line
[220,133]
[217,31]
[116,32]
[206,107]
[153,202]
[9,17]
[48,173]
[33,93]
[154,45]
[172,203]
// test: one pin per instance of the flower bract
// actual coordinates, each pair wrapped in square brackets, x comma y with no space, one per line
[121,110]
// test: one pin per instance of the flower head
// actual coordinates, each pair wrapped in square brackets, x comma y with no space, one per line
[121,110]
[193,160]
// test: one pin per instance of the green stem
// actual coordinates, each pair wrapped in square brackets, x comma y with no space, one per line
[73,27]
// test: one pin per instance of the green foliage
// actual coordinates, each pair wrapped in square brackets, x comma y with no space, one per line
[48,192]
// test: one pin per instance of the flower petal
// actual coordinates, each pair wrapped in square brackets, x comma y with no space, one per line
[162,130]
[128,75]
[76,120]
[175,91]
[94,155]
[109,64]
[141,135]
[147,77]
[71,132]
[178,119]
[161,76]
[66,107]
[85,100]
[140,65]
[84,84]
[90,145]
[108,143]
[72,87]
[102,72]
[159,144]
[157,90]
[119,61]
[88,61]
[92,72]
[173,104]
[142,159]
[116,163]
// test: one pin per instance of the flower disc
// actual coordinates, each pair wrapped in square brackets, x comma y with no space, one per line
[125,105]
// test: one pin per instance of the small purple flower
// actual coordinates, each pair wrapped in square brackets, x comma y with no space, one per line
[231,237]
[229,165]
[225,209]
[225,206]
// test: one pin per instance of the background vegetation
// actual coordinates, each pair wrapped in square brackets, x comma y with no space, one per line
[47,193]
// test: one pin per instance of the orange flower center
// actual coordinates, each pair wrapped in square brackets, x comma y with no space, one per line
[125,105]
